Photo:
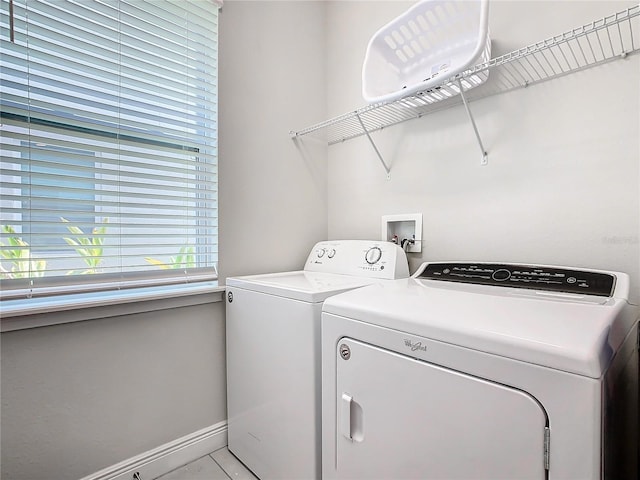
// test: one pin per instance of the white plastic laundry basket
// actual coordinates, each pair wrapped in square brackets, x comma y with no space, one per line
[432,41]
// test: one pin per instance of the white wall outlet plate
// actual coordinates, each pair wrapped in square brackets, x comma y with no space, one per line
[405,230]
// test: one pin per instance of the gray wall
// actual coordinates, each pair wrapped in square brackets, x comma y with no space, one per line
[273,200]
[562,184]
[79,397]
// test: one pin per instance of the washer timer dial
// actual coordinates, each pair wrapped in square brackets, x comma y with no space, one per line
[373,255]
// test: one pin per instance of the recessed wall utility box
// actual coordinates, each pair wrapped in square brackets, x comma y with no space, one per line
[405,230]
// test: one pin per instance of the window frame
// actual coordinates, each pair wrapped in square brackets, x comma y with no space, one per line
[25,288]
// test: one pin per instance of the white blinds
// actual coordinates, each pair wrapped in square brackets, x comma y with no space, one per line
[109,143]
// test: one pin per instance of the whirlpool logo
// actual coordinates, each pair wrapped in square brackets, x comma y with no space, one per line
[415,346]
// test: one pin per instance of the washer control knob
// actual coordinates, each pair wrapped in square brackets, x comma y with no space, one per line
[321,252]
[373,255]
[331,253]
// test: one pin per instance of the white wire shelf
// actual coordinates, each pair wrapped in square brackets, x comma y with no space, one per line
[610,38]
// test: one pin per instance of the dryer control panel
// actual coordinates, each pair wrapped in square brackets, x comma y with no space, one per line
[556,279]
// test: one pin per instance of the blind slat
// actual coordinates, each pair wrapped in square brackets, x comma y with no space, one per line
[163,153]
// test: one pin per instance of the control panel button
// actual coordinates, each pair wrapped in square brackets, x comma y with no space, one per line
[321,252]
[331,253]
[373,255]
[501,275]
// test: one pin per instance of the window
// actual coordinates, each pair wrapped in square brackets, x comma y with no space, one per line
[109,144]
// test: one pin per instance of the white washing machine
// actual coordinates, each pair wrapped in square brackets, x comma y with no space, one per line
[476,371]
[273,353]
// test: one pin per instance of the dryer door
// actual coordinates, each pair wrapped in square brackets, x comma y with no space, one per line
[402,418]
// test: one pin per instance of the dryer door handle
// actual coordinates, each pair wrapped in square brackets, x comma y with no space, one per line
[351,419]
[345,415]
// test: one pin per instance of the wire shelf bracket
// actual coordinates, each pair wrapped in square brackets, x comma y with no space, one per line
[485,158]
[364,129]
[611,38]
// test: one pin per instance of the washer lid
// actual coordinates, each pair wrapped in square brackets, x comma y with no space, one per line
[573,333]
[305,286]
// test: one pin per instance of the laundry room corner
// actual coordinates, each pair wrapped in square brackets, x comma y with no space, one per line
[274,273]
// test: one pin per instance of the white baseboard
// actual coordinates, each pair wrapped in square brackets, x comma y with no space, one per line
[167,457]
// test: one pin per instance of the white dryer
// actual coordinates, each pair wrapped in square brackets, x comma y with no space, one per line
[273,353]
[475,371]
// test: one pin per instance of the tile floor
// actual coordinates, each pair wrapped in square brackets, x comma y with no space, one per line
[219,465]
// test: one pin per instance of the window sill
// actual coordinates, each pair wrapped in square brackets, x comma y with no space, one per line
[39,312]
